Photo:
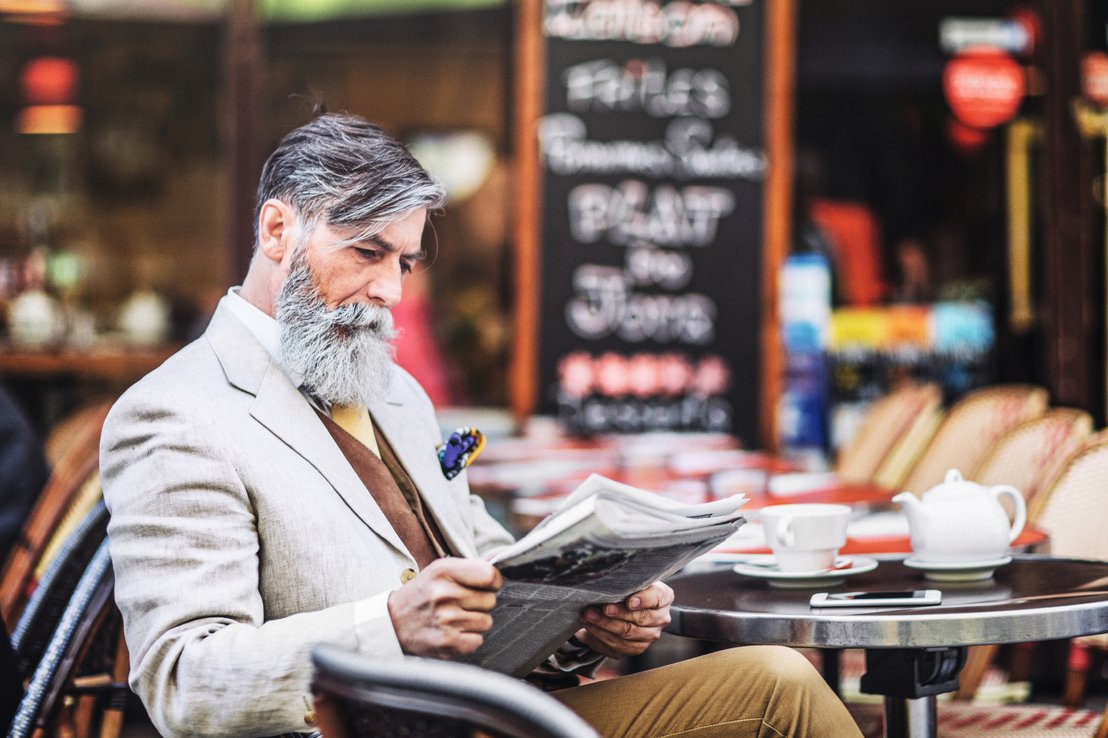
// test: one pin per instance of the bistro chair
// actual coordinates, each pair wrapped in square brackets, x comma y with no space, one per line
[360,697]
[971,427]
[79,670]
[40,617]
[1070,509]
[1030,455]
[1074,513]
[890,420]
[70,491]
[1027,458]
[71,431]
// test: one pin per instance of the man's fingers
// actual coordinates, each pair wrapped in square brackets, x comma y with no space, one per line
[612,645]
[639,617]
[655,596]
[476,600]
[619,628]
[472,573]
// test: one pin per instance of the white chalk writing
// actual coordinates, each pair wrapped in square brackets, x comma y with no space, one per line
[671,270]
[677,24]
[628,415]
[604,306]
[603,85]
[632,212]
[688,151]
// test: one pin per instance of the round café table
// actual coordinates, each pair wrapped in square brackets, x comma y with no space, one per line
[912,653]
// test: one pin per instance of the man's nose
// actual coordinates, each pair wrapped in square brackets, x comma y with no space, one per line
[386,286]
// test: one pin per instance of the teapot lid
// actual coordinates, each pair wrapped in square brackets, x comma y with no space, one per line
[953,483]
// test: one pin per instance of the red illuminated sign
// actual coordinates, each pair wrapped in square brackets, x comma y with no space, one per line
[984,87]
[1094,77]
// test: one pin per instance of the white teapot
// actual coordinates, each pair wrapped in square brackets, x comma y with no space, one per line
[961,521]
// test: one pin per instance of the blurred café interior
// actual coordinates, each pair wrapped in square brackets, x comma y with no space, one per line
[780,247]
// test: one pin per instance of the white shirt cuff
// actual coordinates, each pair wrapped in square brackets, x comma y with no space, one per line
[374,629]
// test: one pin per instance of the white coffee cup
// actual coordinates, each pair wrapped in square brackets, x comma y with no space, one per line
[805,537]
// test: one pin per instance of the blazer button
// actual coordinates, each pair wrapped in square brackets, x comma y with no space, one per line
[407,575]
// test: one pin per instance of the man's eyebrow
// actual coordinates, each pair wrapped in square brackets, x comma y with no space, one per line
[383,244]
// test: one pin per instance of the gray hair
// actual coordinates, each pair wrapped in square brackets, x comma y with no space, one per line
[350,173]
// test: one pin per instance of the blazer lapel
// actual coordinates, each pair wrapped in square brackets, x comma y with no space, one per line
[418,455]
[283,410]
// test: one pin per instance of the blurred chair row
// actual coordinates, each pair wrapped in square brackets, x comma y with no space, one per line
[1000,435]
[56,587]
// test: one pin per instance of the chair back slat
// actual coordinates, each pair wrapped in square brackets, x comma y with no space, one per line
[76,463]
[1073,508]
[361,697]
[89,604]
[889,420]
[44,609]
[1029,455]
[971,427]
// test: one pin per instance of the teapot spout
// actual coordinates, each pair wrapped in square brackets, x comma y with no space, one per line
[917,518]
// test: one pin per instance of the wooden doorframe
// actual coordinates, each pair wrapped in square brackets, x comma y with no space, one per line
[1071,306]
[242,62]
[777,224]
[526,224]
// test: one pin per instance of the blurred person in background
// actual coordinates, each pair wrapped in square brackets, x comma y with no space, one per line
[23,470]
[275,484]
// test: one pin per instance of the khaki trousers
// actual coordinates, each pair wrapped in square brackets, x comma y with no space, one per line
[755,691]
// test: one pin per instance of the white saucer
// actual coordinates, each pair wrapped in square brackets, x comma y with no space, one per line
[961,571]
[764,566]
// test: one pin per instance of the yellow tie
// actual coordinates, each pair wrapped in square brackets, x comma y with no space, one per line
[355,421]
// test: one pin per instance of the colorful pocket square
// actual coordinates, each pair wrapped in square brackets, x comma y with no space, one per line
[460,450]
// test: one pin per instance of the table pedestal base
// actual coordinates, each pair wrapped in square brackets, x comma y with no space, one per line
[909,679]
[911,718]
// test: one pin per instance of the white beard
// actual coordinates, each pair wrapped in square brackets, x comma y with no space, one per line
[343,355]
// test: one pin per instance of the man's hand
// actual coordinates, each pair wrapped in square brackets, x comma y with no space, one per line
[628,628]
[444,610]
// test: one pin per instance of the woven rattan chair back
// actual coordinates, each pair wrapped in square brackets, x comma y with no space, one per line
[73,484]
[889,421]
[44,609]
[971,428]
[360,697]
[1030,454]
[1073,508]
[83,646]
[73,430]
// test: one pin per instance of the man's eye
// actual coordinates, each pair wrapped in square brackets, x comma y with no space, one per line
[366,253]
[406,266]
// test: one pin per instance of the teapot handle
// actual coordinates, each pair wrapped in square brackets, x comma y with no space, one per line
[1018,504]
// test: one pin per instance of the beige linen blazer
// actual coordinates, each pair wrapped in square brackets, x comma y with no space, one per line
[241,536]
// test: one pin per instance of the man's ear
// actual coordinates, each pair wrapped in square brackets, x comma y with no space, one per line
[275,230]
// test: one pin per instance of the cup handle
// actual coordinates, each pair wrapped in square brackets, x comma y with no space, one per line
[783,532]
[1018,504]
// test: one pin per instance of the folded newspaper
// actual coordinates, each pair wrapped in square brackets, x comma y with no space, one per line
[605,541]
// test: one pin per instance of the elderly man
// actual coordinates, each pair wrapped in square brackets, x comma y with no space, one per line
[275,485]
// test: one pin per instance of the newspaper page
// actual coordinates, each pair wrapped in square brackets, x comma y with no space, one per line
[599,546]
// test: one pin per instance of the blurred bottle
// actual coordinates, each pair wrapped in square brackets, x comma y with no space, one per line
[805,322]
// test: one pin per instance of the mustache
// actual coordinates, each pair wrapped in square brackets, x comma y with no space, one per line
[363,316]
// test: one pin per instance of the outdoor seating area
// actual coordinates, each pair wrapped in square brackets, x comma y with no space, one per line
[64,630]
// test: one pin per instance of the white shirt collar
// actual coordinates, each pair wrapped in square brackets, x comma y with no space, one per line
[261,326]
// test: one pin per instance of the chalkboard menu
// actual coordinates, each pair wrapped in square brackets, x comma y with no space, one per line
[653,165]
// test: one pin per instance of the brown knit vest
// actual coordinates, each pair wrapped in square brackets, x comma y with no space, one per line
[384,478]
